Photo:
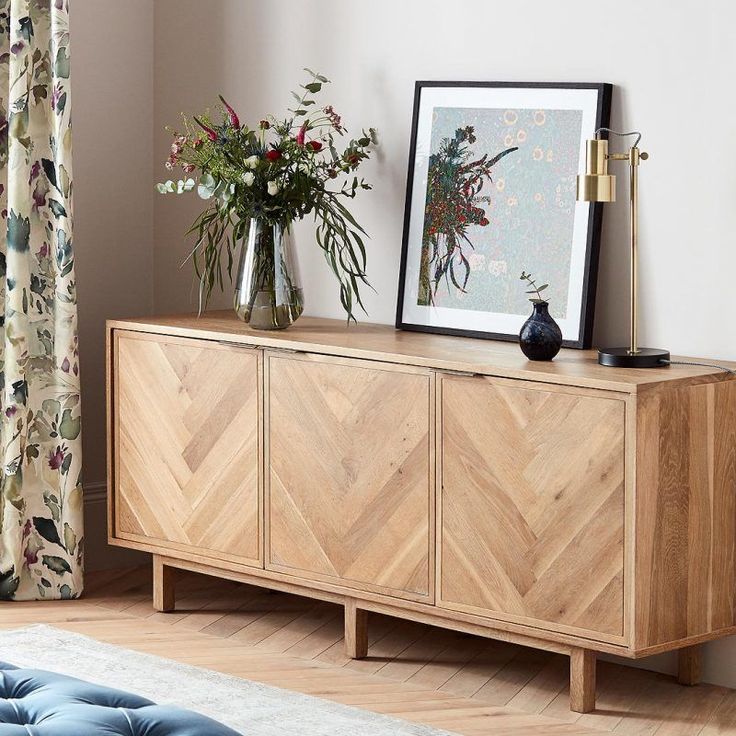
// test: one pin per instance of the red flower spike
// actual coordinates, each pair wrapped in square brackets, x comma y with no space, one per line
[211,134]
[301,135]
[234,121]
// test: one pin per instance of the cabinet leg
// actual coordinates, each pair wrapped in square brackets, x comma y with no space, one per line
[164,589]
[689,665]
[356,630]
[582,680]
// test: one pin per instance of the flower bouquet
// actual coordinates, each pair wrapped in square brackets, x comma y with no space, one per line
[257,182]
[455,183]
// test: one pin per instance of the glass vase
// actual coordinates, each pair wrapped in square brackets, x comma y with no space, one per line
[268,293]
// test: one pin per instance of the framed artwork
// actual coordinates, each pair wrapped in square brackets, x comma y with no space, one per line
[491,193]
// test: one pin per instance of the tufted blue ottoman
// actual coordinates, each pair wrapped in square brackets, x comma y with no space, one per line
[38,703]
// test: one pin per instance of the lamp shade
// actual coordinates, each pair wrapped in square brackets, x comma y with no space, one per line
[596,184]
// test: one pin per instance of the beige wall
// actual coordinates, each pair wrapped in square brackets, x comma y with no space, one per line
[137,66]
[672,67]
[112,47]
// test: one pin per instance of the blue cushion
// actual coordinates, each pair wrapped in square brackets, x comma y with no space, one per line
[38,703]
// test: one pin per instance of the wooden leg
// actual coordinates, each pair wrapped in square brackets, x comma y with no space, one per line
[356,630]
[582,680]
[689,665]
[164,589]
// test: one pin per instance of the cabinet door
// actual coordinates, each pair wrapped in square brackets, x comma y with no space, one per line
[186,416]
[532,504]
[350,497]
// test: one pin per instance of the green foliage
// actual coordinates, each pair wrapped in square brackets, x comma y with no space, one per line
[9,583]
[62,63]
[57,208]
[538,299]
[70,539]
[70,426]
[47,529]
[57,564]
[280,171]
[18,232]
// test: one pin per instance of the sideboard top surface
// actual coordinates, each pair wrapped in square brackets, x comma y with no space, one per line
[443,352]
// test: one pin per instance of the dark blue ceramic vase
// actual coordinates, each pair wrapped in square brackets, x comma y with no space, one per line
[540,337]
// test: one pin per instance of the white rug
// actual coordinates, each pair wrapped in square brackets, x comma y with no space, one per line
[246,706]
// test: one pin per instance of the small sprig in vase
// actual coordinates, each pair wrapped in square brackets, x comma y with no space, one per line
[540,337]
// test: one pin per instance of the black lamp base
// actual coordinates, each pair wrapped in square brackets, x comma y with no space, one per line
[643,358]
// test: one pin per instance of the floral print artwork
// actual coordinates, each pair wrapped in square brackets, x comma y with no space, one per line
[41,537]
[511,213]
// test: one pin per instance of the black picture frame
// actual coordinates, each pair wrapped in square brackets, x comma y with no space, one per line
[602,119]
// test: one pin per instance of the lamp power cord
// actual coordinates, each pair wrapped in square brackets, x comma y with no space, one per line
[702,365]
[621,135]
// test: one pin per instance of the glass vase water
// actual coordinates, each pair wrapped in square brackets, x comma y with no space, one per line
[268,293]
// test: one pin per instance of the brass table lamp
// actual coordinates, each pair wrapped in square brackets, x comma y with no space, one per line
[597,185]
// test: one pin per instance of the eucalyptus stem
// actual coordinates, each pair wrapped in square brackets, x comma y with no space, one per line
[535,289]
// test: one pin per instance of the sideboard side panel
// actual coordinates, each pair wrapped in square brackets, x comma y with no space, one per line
[685,513]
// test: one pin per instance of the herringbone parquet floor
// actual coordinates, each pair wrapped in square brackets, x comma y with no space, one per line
[452,681]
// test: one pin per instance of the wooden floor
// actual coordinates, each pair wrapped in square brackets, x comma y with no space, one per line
[448,680]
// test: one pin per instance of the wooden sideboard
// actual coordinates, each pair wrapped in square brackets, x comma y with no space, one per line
[564,505]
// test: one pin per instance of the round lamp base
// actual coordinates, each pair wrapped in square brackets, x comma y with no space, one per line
[643,358]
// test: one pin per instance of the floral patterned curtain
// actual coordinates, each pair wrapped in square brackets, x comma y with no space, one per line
[40,488]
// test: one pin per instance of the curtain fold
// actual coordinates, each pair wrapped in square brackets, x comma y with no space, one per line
[41,535]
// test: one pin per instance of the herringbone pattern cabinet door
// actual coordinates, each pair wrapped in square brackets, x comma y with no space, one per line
[532,505]
[187,444]
[351,491]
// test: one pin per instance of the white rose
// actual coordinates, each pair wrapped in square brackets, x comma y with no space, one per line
[304,167]
[251,162]
[248,178]
[273,188]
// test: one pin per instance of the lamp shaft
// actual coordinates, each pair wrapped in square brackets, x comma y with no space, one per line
[634,238]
